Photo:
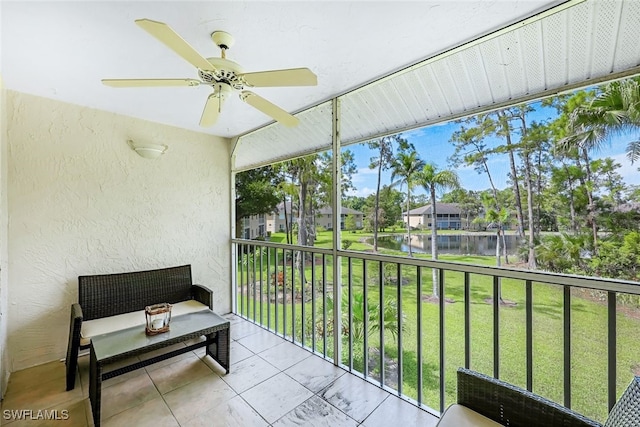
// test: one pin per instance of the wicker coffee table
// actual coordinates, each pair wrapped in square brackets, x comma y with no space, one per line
[120,345]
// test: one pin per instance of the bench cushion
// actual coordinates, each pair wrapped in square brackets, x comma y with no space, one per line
[105,325]
[461,416]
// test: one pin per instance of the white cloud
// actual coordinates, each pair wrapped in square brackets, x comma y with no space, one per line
[361,192]
[367,171]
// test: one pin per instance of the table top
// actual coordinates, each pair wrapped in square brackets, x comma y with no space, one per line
[132,341]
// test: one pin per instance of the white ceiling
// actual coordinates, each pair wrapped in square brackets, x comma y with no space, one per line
[575,45]
[61,50]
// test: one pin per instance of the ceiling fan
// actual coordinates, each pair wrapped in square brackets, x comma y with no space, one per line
[223,75]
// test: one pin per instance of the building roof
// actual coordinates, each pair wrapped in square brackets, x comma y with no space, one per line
[344,211]
[628,207]
[325,210]
[441,208]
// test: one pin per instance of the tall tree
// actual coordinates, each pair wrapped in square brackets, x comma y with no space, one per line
[288,192]
[570,144]
[256,193]
[434,180]
[382,161]
[615,110]
[406,165]
[532,138]
[609,181]
[504,130]
[563,190]
[471,150]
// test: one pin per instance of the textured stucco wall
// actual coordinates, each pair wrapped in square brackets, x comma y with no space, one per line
[4,353]
[82,202]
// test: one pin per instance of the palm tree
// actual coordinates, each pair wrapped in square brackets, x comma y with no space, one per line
[406,165]
[434,180]
[498,216]
[614,111]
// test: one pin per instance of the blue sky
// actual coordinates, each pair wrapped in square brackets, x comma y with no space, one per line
[433,146]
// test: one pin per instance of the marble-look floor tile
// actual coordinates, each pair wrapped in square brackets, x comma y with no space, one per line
[284,355]
[248,373]
[238,352]
[242,329]
[260,341]
[165,362]
[232,413]
[152,413]
[198,397]
[315,373]
[67,415]
[82,377]
[232,318]
[402,413]
[127,394]
[180,373]
[316,412]
[196,340]
[120,378]
[42,395]
[354,396]
[87,411]
[212,364]
[197,392]
[276,396]
[28,378]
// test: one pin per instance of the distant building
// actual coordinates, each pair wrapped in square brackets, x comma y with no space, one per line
[448,217]
[258,225]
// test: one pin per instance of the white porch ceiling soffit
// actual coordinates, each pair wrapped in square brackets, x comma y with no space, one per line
[584,44]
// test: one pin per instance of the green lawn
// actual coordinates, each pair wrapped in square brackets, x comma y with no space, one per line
[589,329]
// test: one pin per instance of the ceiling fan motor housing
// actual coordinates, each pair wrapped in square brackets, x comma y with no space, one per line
[226,71]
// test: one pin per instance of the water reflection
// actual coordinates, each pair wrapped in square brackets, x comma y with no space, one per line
[457,244]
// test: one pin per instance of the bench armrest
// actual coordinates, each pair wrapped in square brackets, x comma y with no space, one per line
[511,405]
[203,295]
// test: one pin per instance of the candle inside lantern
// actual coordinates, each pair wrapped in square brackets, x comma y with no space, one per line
[158,317]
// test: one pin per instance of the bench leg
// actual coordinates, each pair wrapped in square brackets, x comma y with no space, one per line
[95,387]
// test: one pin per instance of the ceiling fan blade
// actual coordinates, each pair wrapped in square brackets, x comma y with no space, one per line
[166,35]
[288,77]
[269,108]
[149,82]
[211,111]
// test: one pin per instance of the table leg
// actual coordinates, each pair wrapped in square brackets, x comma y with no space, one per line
[95,387]
[219,349]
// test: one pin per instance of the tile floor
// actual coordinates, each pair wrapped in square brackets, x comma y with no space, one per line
[272,382]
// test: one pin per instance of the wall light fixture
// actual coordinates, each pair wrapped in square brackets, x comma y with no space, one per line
[147,150]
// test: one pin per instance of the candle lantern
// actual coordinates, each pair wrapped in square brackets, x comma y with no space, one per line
[158,318]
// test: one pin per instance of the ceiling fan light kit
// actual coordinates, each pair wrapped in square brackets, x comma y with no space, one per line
[222,75]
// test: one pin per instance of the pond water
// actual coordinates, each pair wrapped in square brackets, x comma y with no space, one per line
[456,244]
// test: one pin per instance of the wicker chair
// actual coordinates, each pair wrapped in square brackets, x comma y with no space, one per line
[509,405]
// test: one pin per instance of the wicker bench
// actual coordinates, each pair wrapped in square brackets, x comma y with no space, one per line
[109,302]
[486,401]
